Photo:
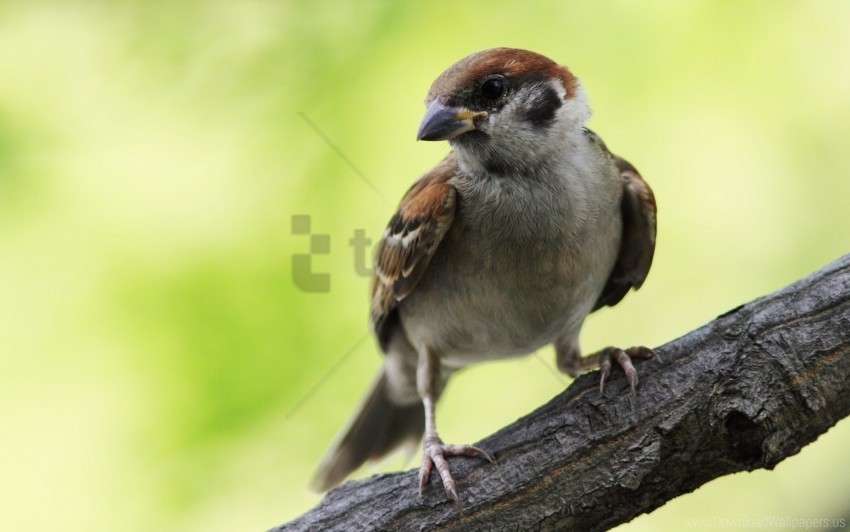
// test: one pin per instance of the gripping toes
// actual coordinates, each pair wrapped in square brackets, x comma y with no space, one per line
[623,358]
[434,453]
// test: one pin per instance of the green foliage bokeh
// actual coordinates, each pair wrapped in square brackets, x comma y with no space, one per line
[159,369]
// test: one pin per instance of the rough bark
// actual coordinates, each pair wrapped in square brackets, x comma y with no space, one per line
[741,393]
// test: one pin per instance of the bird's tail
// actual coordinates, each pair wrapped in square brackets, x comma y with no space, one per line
[378,427]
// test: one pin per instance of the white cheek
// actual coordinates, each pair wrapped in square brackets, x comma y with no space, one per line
[559,88]
[577,107]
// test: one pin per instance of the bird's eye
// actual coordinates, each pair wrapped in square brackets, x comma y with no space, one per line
[493,88]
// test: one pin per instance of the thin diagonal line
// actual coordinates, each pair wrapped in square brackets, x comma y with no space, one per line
[343,157]
[559,376]
[325,377]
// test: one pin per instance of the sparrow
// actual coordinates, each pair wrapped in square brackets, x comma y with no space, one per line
[527,226]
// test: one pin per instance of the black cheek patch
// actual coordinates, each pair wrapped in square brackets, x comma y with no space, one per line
[543,108]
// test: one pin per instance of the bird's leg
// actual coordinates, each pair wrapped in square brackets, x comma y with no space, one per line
[434,451]
[569,359]
[572,363]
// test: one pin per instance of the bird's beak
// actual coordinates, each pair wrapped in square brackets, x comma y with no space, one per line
[442,122]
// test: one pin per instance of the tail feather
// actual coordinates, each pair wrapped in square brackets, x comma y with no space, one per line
[377,428]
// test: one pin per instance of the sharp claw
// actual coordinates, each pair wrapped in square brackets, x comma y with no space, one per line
[446,476]
[475,451]
[424,475]
[625,362]
[485,455]
[466,450]
[452,493]
[605,366]
[632,377]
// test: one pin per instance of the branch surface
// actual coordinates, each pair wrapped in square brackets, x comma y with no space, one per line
[741,393]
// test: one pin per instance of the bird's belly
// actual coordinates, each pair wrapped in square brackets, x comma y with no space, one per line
[478,310]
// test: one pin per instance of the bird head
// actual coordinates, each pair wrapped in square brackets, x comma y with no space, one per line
[504,109]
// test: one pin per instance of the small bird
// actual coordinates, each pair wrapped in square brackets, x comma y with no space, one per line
[525,228]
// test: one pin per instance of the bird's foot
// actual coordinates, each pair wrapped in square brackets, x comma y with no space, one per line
[623,357]
[434,453]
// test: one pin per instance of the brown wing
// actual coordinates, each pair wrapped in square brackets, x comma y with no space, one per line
[409,242]
[638,243]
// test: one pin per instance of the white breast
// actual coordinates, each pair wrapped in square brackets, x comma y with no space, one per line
[522,265]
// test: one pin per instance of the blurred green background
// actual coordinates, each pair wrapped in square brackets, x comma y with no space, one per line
[159,369]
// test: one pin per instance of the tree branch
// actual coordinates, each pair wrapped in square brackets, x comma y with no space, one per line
[744,392]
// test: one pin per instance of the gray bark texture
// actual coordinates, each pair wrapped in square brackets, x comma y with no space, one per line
[741,393]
